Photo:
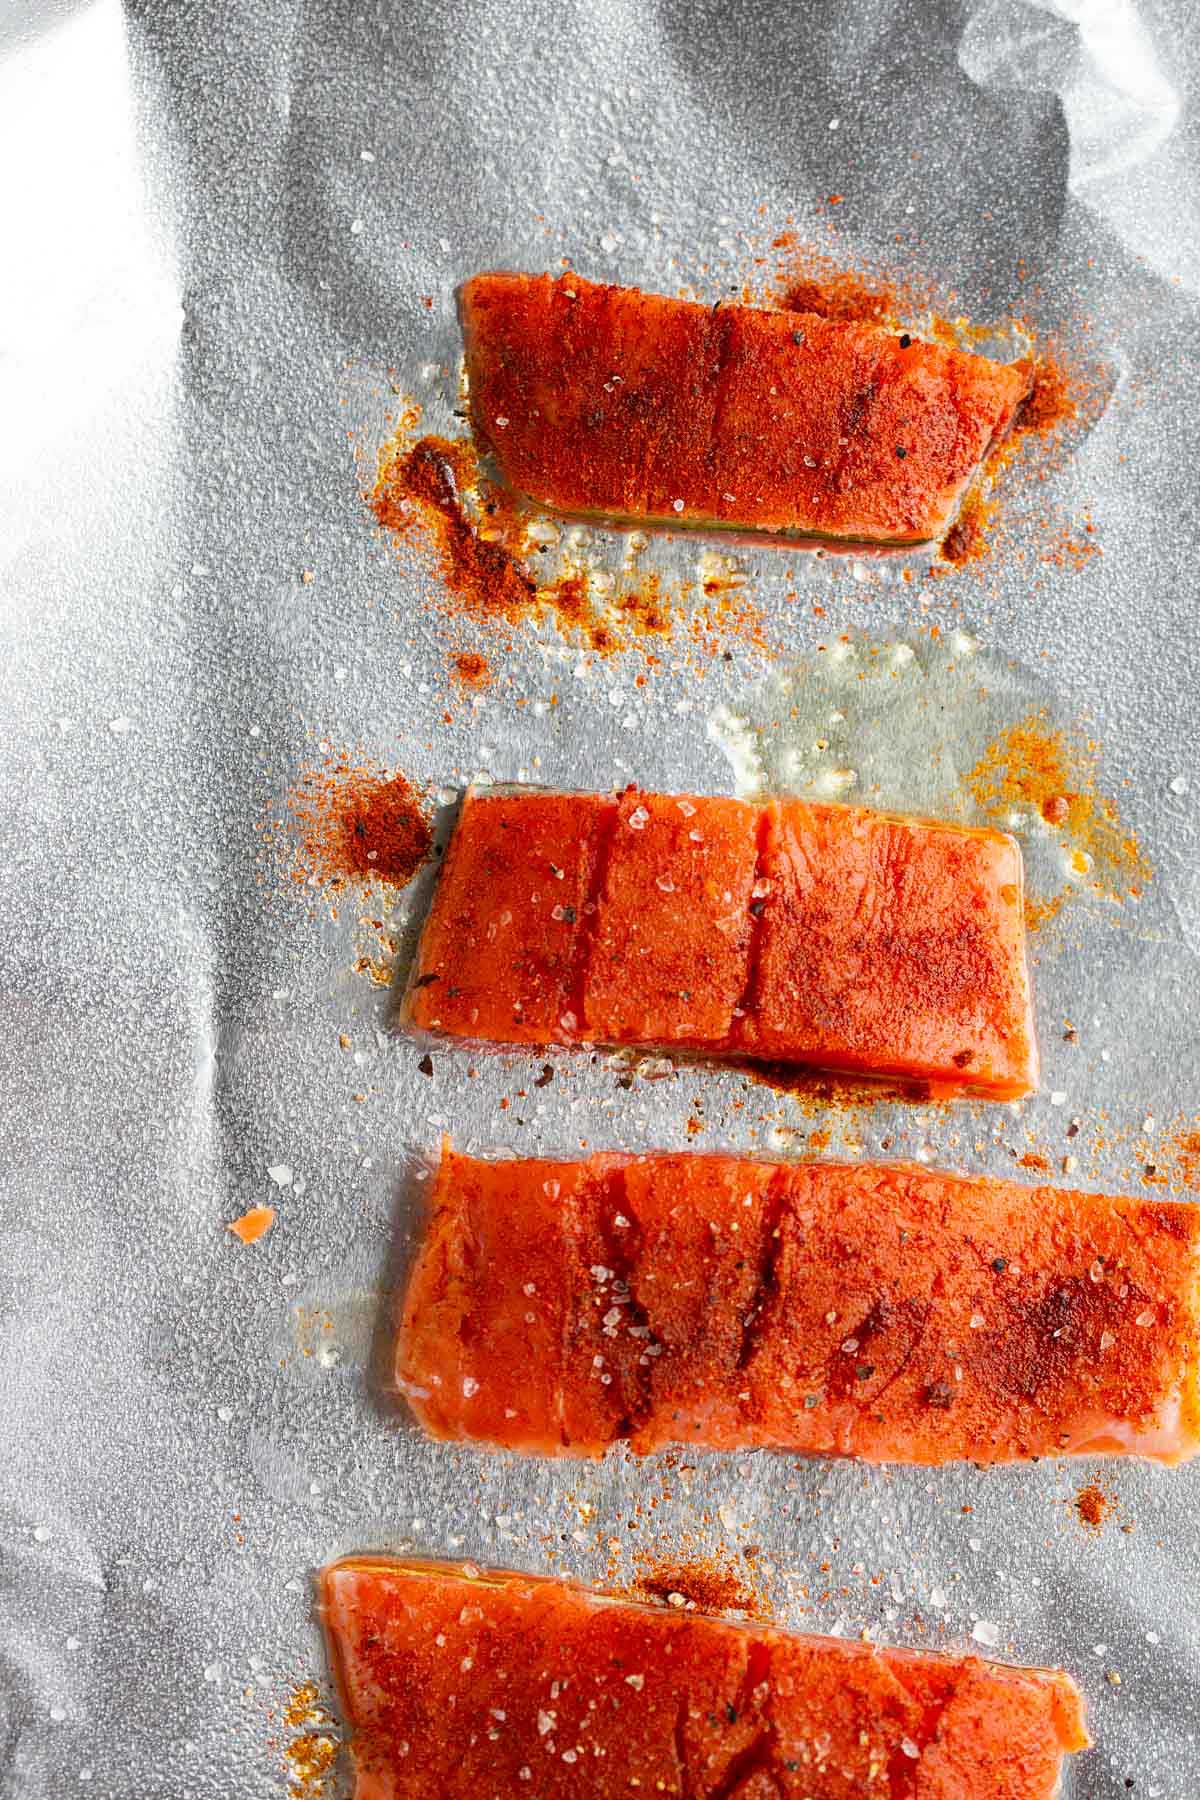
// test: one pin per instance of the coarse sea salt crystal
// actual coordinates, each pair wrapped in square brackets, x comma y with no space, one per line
[984,1632]
[470,1387]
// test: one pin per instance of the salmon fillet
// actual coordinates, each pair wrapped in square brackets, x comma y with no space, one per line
[890,1313]
[486,1686]
[612,402]
[785,931]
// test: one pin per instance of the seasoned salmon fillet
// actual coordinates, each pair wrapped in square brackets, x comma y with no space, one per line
[502,951]
[890,1313]
[784,931]
[471,1685]
[693,863]
[612,402]
[891,946]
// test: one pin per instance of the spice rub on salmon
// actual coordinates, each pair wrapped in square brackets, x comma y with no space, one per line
[890,1313]
[462,1683]
[617,403]
[786,931]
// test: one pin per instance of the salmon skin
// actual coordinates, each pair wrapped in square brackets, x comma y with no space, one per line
[786,931]
[492,1686]
[889,1313]
[615,403]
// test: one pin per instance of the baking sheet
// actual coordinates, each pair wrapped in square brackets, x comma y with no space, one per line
[220,220]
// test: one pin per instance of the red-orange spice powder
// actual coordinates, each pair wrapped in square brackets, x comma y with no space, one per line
[312,1754]
[481,562]
[354,823]
[1093,1506]
[421,486]
[471,669]
[705,1584]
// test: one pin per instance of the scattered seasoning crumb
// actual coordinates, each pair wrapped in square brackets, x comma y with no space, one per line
[432,492]
[253,1224]
[1035,762]
[1093,1506]
[312,1754]
[706,1584]
[812,282]
[353,823]
[472,669]
[969,539]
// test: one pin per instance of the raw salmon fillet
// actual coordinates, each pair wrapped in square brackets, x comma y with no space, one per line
[501,951]
[671,946]
[491,1686]
[785,931]
[890,1313]
[892,946]
[613,402]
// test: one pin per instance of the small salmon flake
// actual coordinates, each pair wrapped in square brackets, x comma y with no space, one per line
[253,1225]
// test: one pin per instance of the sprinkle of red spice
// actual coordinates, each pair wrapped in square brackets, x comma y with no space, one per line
[1093,1506]
[472,670]
[423,485]
[818,287]
[432,491]
[707,1585]
[355,823]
